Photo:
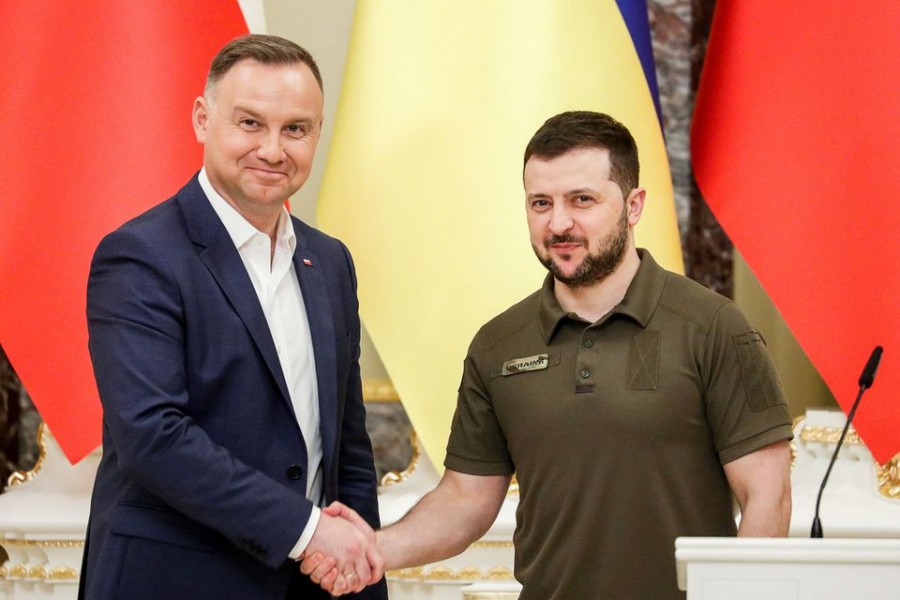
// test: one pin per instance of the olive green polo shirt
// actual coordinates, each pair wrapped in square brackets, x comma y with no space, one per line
[617,430]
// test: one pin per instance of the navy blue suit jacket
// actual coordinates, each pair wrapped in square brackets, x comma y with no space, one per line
[201,489]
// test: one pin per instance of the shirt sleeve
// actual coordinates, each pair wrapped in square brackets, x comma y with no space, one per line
[745,403]
[307,534]
[477,445]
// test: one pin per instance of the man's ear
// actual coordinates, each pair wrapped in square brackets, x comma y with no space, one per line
[200,118]
[634,204]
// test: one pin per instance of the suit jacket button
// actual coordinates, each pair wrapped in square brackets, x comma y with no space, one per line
[295,472]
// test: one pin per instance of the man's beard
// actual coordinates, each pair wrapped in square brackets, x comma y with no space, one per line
[595,267]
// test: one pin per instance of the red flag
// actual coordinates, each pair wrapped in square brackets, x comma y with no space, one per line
[794,145]
[96,105]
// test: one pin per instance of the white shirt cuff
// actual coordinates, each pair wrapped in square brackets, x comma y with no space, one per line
[306,536]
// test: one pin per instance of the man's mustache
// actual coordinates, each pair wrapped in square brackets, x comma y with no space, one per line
[564,239]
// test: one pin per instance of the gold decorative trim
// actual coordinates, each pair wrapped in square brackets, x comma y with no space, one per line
[490,544]
[829,435]
[793,447]
[393,477]
[42,543]
[887,475]
[37,572]
[448,574]
[794,423]
[416,573]
[379,390]
[490,595]
[19,571]
[888,478]
[468,573]
[500,574]
[19,477]
[4,572]
[62,573]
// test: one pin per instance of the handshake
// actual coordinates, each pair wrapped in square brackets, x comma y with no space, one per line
[343,556]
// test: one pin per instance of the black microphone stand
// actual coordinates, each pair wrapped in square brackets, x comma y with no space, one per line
[817,524]
[865,382]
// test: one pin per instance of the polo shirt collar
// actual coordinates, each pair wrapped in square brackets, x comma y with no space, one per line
[639,303]
[644,291]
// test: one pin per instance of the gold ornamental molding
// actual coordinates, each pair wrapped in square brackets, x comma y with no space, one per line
[448,574]
[42,543]
[37,572]
[18,571]
[888,477]
[63,573]
[60,573]
[829,435]
[492,544]
[394,477]
[19,477]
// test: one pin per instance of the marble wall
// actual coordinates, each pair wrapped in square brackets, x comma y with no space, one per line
[19,422]
[680,29]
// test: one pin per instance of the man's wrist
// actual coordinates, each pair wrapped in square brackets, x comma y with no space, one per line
[306,536]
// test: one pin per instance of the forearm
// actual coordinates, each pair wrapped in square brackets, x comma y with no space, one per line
[766,517]
[443,524]
[761,482]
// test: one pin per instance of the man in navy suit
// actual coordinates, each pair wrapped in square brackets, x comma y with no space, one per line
[224,336]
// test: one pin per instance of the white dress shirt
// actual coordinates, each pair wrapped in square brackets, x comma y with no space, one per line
[278,289]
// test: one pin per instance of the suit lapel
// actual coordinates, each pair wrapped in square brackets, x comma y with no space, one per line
[321,328]
[224,263]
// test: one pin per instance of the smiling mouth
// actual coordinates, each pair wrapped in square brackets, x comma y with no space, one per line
[266,173]
[565,247]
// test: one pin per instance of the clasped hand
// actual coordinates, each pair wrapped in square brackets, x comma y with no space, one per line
[342,556]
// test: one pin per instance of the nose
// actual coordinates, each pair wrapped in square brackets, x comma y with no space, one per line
[271,147]
[560,218]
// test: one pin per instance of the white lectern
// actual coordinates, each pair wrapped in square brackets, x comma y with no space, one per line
[788,568]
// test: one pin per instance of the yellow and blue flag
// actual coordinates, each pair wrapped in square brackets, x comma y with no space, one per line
[424,177]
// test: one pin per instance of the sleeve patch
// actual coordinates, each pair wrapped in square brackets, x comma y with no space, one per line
[758,373]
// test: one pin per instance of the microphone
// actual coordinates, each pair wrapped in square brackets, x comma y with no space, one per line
[865,382]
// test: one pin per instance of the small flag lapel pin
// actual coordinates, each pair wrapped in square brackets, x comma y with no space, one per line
[307,262]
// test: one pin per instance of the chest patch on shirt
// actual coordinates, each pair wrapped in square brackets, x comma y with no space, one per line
[643,361]
[528,363]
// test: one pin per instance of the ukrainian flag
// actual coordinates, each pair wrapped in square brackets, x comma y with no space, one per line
[424,176]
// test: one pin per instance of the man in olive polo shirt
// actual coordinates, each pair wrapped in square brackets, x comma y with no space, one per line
[630,401]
